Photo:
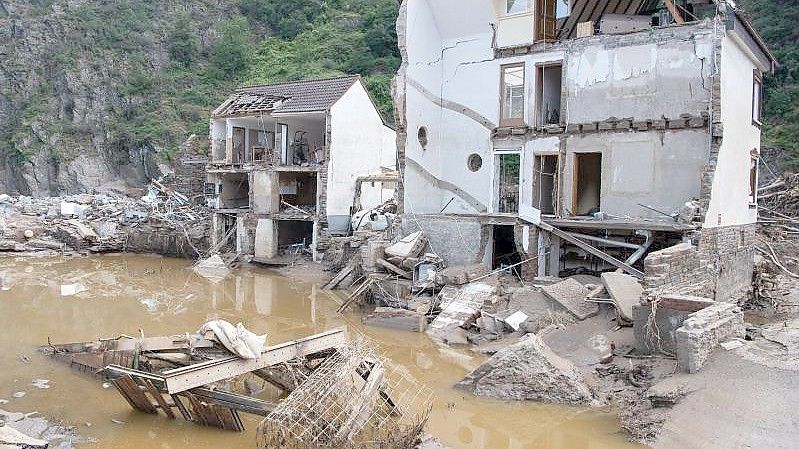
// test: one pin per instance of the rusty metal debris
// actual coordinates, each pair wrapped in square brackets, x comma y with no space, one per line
[340,393]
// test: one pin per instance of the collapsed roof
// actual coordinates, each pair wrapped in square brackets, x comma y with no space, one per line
[289,97]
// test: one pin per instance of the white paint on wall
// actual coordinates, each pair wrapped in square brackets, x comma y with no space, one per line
[515,30]
[360,145]
[729,201]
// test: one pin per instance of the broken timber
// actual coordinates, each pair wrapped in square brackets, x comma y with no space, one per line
[339,278]
[193,376]
[590,249]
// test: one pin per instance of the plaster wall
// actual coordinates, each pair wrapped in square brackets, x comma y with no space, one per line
[266,241]
[729,199]
[265,192]
[360,145]
[640,75]
[218,135]
[657,168]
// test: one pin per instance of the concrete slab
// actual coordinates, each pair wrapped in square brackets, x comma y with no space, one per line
[625,291]
[459,306]
[397,319]
[571,295]
[410,246]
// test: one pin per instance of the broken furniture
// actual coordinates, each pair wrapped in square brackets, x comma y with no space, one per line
[158,374]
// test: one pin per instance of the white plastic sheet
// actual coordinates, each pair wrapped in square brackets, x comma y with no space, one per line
[236,339]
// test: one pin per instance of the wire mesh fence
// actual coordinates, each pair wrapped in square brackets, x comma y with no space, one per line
[355,399]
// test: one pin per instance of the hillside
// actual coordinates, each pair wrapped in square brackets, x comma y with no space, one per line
[99,93]
[778,22]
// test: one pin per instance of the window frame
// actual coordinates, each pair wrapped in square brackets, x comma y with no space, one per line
[512,121]
[528,9]
[757,101]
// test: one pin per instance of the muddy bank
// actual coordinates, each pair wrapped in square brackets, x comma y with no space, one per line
[84,224]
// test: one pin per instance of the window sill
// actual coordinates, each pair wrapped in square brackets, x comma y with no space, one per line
[517,15]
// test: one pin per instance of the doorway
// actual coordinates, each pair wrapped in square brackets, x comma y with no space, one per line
[505,250]
[239,143]
[587,183]
[545,183]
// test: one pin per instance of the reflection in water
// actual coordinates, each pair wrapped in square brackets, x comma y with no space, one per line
[126,294]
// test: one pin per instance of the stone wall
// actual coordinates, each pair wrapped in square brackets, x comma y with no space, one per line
[720,267]
[704,330]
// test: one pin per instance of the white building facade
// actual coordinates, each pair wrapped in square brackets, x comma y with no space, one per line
[602,121]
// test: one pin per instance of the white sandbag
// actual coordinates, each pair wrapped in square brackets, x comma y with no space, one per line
[236,339]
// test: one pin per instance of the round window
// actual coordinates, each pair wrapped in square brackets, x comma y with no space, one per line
[422,136]
[475,162]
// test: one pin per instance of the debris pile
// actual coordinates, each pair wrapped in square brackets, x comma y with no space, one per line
[162,221]
[777,245]
[340,393]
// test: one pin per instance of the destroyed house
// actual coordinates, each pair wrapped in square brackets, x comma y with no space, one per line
[285,161]
[579,136]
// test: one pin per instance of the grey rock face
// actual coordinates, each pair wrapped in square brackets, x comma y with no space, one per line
[529,370]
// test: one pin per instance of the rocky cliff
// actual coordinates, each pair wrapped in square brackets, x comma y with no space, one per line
[94,95]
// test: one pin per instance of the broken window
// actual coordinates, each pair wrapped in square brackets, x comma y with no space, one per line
[757,99]
[754,168]
[512,95]
[546,11]
[506,178]
[545,183]
[517,6]
[587,183]
[548,93]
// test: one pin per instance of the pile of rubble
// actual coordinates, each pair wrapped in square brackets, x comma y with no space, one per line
[336,393]
[162,221]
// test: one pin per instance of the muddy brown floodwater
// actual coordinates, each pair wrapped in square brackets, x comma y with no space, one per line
[121,294]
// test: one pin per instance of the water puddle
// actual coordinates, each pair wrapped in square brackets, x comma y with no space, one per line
[160,296]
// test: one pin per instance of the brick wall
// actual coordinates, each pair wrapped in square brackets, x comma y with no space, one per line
[720,267]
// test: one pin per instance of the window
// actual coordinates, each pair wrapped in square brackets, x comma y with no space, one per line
[757,99]
[587,183]
[512,106]
[547,96]
[517,6]
[506,182]
[754,168]
[421,135]
[475,162]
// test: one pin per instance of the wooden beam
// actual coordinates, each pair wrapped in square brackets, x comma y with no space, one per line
[197,375]
[590,249]
[674,12]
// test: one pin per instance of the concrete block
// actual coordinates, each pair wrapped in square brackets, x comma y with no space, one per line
[704,330]
[571,295]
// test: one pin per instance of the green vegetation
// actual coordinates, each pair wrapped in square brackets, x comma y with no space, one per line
[778,22]
[151,71]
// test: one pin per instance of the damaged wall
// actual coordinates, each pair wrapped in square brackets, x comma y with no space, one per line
[657,168]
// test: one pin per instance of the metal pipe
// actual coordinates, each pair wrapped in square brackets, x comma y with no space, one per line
[607,241]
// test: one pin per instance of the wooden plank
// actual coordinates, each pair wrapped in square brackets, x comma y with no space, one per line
[674,12]
[137,397]
[181,407]
[158,398]
[356,294]
[393,268]
[339,277]
[124,394]
[197,375]
[196,410]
